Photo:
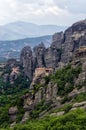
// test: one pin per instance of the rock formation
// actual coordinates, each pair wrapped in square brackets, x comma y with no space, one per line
[59,53]
[39,52]
[26,59]
[13,112]
[57,40]
[75,37]
[66,47]
[12,71]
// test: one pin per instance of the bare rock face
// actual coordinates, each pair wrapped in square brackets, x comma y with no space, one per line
[39,52]
[39,96]
[13,110]
[13,113]
[27,61]
[76,91]
[12,75]
[84,67]
[81,80]
[57,40]
[52,57]
[25,117]
[80,104]
[43,93]
[75,37]
[60,51]
[47,94]
[53,53]
[58,113]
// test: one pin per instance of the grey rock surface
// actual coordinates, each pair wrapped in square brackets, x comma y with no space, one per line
[60,52]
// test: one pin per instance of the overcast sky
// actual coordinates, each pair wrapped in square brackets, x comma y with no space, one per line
[59,12]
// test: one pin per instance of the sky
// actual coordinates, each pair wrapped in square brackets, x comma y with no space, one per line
[58,12]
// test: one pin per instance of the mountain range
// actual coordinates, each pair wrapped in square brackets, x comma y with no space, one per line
[20,30]
[12,49]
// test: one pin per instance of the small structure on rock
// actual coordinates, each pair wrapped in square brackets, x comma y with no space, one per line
[43,71]
[81,52]
[15,70]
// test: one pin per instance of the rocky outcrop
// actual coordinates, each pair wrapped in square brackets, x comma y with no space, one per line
[81,105]
[80,59]
[26,59]
[60,51]
[66,47]
[48,92]
[76,92]
[57,114]
[75,37]
[52,57]
[39,52]
[13,113]
[57,40]
[11,75]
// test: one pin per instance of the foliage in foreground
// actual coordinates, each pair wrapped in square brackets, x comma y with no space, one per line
[65,79]
[74,120]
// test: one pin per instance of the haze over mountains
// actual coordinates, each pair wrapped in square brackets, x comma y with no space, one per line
[14,36]
[20,30]
[12,49]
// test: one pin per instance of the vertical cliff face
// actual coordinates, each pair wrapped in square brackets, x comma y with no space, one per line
[52,57]
[75,37]
[57,40]
[61,50]
[27,61]
[41,57]
[53,53]
[39,52]
[63,85]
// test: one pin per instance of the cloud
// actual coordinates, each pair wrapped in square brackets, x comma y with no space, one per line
[62,12]
[74,6]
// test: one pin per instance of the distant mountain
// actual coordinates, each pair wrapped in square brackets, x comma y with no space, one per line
[11,49]
[20,30]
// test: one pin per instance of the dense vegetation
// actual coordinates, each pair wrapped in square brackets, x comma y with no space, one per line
[65,79]
[8,91]
[74,120]
[10,96]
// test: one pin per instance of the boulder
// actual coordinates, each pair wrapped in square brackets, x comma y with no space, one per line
[13,113]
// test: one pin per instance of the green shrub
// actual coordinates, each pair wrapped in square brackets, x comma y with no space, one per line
[74,120]
[65,76]
[79,98]
[65,99]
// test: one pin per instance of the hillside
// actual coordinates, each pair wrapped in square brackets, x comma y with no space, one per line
[46,89]
[21,30]
[59,100]
[73,120]
[12,49]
